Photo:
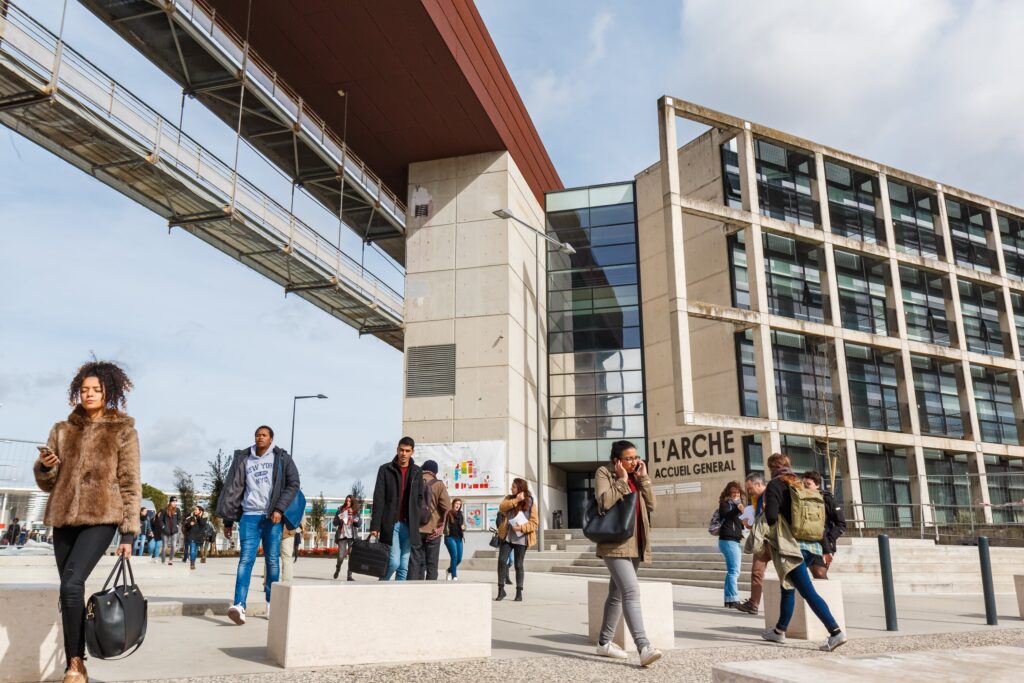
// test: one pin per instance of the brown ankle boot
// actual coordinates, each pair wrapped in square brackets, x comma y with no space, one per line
[76,672]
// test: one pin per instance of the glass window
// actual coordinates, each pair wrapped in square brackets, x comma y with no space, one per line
[861,293]
[1011,232]
[874,396]
[938,397]
[914,212]
[1005,478]
[924,306]
[852,203]
[738,268]
[793,278]
[884,486]
[747,373]
[993,401]
[949,486]
[1017,301]
[803,378]
[979,308]
[969,227]
[731,175]
[785,180]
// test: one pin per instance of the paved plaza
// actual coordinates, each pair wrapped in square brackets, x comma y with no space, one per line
[544,637]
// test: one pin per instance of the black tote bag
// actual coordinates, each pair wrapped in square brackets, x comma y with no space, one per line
[615,525]
[116,617]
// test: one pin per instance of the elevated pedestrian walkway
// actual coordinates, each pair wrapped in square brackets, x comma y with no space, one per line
[53,96]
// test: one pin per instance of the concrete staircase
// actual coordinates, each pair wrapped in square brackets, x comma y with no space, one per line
[686,557]
[690,557]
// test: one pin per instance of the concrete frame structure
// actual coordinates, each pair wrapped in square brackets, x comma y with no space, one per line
[683,220]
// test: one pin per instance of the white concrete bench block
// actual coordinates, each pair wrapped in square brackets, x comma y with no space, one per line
[1018,586]
[408,621]
[804,624]
[655,605]
[31,636]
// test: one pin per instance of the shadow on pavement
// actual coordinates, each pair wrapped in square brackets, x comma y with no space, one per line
[250,654]
[537,649]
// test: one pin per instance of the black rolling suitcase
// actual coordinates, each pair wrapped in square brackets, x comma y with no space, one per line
[369,558]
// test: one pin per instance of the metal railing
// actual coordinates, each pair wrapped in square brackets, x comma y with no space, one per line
[58,68]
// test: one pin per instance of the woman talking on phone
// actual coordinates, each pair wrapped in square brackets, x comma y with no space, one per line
[90,468]
[628,474]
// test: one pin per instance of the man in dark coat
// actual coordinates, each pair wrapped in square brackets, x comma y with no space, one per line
[397,506]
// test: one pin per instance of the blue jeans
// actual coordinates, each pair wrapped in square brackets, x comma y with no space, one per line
[401,548]
[454,546]
[155,546]
[733,555]
[801,581]
[193,550]
[140,545]
[252,530]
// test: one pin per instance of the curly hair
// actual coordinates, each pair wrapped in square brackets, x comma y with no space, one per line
[112,377]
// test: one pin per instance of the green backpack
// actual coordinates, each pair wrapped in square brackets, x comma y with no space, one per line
[808,512]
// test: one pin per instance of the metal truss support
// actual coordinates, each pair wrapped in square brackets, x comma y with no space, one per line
[310,286]
[23,99]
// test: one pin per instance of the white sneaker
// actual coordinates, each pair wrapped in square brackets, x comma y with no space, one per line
[772,636]
[649,656]
[237,614]
[834,641]
[455,578]
[612,650]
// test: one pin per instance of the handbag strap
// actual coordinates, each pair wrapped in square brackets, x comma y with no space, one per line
[114,573]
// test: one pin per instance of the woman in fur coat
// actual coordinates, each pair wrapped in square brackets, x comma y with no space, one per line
[90,468]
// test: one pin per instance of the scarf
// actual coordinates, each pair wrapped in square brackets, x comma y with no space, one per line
[776,473]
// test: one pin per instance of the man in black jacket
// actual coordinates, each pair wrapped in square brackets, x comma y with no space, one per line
[260,485]
[835,526]
[397,504]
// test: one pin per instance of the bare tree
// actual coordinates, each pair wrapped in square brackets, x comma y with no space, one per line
[317,516]
[358,494]
[186,485]
[216,475]
[827,446]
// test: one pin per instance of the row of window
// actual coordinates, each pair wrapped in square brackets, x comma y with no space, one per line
[786,182]
[793,285]
[803,371]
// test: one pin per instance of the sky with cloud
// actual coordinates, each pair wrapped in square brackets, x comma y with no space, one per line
[930,86]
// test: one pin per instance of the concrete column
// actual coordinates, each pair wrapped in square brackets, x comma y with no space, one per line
[679,320]
[979,490]
[756,277]
[943,225]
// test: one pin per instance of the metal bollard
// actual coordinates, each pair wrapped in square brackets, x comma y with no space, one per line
[991,617]
[888,592]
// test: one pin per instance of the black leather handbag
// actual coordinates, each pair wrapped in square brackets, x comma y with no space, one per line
[369,558]
[614,526]
[115,618]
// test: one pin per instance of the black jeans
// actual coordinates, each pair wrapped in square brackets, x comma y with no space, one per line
[423,562]
[77,550]
[520,554]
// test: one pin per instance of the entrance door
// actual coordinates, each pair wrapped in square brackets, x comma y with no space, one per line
[580,491]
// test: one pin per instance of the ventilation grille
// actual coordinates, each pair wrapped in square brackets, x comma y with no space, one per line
[430,371]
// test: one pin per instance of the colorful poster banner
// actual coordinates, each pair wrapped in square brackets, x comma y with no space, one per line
[469,468]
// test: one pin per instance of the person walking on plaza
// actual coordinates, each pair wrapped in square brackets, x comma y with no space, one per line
[397,508]
[90,469]
[792,517]
[454,537]
[755,492]
[145,533]
[835,526]
[436,504]
[170,523]
[156,543]
[260,485]
[730,538]
[628,474]
[197,529]
[517,530]
[13,532]
[346,530]
[291,540]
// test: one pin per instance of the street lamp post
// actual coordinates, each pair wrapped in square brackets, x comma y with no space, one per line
[291,447]
[565,248]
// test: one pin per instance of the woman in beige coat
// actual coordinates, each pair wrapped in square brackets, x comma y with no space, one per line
[90,468]
[628,474]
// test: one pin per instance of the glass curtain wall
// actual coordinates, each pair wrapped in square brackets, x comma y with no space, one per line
[874,395]
[803,378]
[1005,488]
[806,455]
[938,397]
[594,345]
[884,486]
[861,293]
[979,308]
[969,227]
[793,278]
[924,306]
[1011,232]
[915,213]
[853,203]
[949,486]
[993,400]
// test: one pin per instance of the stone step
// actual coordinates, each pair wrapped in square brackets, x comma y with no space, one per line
[603,573]
[717,566]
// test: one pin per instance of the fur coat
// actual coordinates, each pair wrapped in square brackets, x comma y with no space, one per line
[97,479]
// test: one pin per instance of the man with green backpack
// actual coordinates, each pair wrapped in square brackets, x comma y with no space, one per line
[796,519]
